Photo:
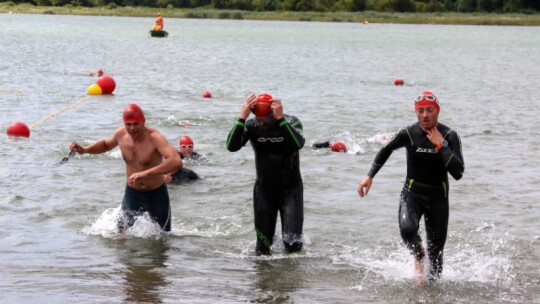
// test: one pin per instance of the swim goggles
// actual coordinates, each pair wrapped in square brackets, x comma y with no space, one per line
[429,98]
[187,146]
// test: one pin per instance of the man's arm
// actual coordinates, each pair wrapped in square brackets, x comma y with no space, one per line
[238,137]
[171,162]
[398,141]
[98,147]
[294,131]
[452,156]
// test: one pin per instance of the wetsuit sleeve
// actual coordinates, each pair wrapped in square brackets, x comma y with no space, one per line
[452,156]
[238,136]
[398,141]
[321,145]
[294,131]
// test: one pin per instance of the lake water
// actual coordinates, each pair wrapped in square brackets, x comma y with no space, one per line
[57,229]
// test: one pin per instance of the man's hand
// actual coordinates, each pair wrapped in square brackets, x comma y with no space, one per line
[363,187]
[133,178]
[77,148]
[434,136]
[249,103]
[277,108]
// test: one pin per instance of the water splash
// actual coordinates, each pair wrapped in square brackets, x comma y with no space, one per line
[106,225]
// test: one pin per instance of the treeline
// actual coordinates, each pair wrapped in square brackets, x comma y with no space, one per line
[461,6]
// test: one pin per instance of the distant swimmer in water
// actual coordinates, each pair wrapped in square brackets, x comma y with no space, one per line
[433,151]
[186,153]
[276,139]
[98,73]
[148,157]
[160,24]
[336,146]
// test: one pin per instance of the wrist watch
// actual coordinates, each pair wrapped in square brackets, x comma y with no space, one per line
[443,144]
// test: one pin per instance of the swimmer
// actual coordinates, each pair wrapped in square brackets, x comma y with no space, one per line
[148,156]
[433,151]
[276,139]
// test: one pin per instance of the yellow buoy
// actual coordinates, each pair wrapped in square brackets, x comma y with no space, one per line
[94,90]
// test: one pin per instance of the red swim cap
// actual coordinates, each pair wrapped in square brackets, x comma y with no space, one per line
[100,72]
[186,140]
[262,106]
[133,113]
[338,146]
[426,99]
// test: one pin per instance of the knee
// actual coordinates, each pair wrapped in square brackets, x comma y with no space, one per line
[408,231]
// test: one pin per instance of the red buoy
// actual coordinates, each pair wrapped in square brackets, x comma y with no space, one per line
[399,82]
[18,129]
[207,94]
[107,84]
[339,146]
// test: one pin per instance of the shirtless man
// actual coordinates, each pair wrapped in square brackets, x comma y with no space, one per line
[148,156]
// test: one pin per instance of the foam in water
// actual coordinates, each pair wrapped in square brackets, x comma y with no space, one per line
[106,225]
[481,259]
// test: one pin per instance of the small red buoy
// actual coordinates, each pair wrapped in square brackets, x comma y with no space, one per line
[207,94]
[399,82]
[339,146]
[18,129]
[107,84]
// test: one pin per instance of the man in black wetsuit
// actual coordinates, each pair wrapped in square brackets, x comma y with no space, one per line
[186,153]
[433,151]
[276,139]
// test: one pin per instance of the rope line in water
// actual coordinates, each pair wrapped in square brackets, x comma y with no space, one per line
[53,114]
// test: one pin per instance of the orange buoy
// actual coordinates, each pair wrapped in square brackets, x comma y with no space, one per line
[207,94]
[339,146]
[18,129]
[107,84]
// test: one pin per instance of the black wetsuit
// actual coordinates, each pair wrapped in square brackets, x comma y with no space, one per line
[426,188]
[321,145]
[185,175]
[278,187]
[155,202]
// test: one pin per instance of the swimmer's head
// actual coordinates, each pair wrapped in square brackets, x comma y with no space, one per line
[186,140]
[426,99]
[338,146]
[133,113]
[186,146]
[262,105]
[99,72]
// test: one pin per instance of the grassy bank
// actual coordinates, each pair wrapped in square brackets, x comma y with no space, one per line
[369,16]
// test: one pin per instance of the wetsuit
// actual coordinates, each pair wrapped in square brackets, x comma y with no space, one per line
[155,202]
[186,175]
[183,175]
[278,186]
[194,156]
[425,191]
[321,145]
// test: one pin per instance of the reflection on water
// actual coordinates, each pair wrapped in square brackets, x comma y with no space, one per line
[276,279]
[144,260]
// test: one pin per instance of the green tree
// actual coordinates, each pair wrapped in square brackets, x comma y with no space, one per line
[465,6]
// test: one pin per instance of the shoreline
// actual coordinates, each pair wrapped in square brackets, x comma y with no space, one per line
[354,17]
